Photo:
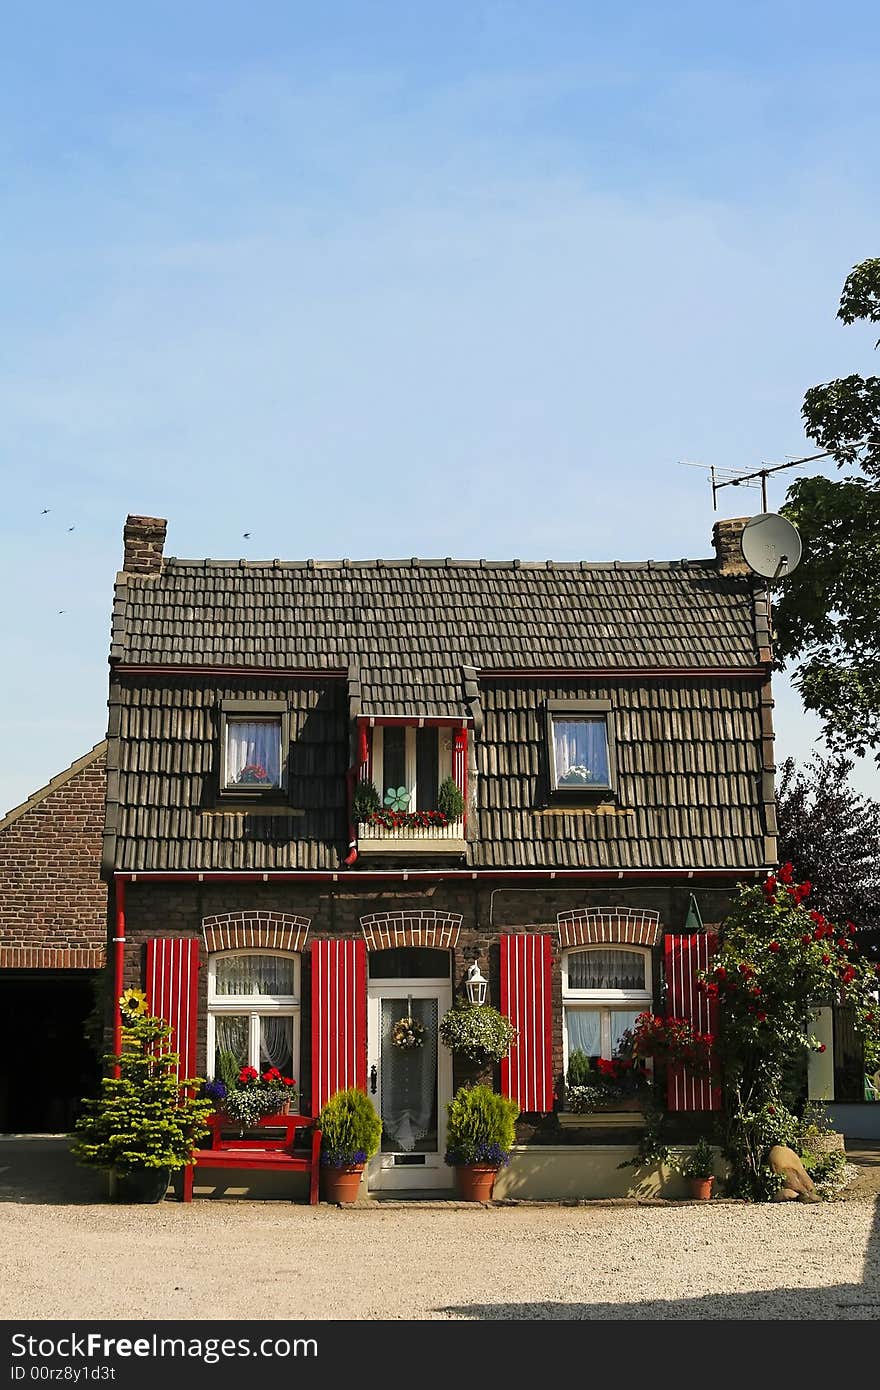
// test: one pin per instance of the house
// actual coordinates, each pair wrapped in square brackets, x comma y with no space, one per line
[53,929]
[608,728]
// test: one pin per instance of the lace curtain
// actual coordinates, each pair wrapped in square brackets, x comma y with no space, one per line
[580,751]
[253,753]
[584,1029]
[254,975]
[231,1035]
[409,1080]
[606,970]
[276,1043]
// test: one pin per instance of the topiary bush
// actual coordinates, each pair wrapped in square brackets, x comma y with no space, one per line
[480,1127]
[350,1129]
[450,800]
[366,800]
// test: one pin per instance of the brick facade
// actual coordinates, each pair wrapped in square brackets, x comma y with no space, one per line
[53,905]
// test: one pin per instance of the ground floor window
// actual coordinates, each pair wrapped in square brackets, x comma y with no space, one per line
[253,1011]
[604,989]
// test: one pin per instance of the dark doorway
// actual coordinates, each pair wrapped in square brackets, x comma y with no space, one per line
[46,1063]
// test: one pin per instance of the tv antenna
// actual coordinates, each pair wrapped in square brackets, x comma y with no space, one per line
[739,477]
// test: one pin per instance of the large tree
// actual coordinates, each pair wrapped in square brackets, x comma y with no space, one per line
[831,834]
[828,612]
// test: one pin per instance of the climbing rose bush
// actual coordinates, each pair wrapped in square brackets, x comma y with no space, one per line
[777,960]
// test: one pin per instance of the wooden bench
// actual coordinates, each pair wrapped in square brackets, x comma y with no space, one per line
[273,1150]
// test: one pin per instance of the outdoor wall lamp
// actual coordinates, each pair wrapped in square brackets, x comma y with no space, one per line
[476,985]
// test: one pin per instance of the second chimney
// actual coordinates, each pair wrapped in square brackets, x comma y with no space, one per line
[727,540]
[144,538]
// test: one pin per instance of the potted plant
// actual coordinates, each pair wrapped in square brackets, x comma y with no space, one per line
[613,1084]
[366,800]
[350,1135]
[252,1095]
[479,1136]
[145,1122]
[450,800]
[698,1169]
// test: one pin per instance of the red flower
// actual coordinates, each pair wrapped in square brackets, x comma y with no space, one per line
[847,974]
[273,1074]
[805,940]
[786,873]
[805,889]
[745,970]
[721,972]
[247,1074]
[851,928]
[843,943]
[761,1017]
[821,1047]
[826,960]
[606,1067]
[288,1080]
[774,946]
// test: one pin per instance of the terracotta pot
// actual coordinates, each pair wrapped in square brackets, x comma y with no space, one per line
[475,1182]
[342,1184]
[700,1188]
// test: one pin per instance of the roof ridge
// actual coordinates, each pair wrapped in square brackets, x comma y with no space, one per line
[416,562]
[54,785]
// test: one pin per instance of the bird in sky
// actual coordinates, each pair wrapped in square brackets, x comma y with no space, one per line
[45,511]
[246,535]
[71,528]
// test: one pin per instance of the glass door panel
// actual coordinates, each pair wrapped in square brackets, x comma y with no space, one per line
[409,1079]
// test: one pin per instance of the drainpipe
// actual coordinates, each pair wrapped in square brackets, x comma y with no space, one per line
[352,855]
[118,966]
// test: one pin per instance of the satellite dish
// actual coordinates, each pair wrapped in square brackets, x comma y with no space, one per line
[771,546]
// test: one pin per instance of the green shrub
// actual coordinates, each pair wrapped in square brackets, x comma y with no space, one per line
[450,800]
[480,1127]
[366,800]
[228,1068]
[477,1031]
[350,1129]
[580,1073]
[700,1163]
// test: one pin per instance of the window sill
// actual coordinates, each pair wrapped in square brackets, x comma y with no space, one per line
[392,842]
[602,1119]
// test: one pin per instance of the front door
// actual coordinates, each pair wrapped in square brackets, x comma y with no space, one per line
[409,1085]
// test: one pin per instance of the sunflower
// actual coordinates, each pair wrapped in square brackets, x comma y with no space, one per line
[133,1002]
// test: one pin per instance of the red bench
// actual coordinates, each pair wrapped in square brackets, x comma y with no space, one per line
[273,1150]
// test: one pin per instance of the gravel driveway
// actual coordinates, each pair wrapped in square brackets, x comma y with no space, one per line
[65,1253]
[277,1260]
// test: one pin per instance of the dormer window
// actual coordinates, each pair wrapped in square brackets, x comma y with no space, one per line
[409,765]
[580,746]
[254,738]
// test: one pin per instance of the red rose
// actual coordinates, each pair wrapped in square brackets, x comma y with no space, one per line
[826,960]
[821,1047]
[805,940]
[848,974]
[786,873]
[774,946]
[806,889]
[770,886]
[761,1017]
[851,928]
[721,972]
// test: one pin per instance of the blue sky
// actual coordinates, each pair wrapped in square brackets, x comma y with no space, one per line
[405,279]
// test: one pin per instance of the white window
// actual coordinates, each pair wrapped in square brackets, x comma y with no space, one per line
[604,989]
[253,753]
[412,762]
[253,1010]
[580,746]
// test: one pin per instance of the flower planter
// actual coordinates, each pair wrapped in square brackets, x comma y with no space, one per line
[700,1189]
[475,1182]
[142,1185]
[342,1184]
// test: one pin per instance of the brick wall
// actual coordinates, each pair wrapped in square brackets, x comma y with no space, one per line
[53,905]
[170,909]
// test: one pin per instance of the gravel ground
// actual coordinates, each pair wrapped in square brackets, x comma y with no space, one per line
[67,1253]
[278,1260]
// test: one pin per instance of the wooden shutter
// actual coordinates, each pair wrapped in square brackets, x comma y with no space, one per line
[684,956]
[526,998]
[339,1018]
[172,989]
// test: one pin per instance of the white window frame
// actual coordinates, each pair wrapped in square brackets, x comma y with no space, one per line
[604,1001]
[444,761]
[255,1006]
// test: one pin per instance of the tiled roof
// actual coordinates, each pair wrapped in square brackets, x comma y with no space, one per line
[691,784]
[412,625]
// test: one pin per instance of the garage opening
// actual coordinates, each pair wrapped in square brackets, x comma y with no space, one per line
[47,1064]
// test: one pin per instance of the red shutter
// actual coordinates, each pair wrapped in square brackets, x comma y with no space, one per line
[685,955]
[172,989]
[459,764]
[339,1018]
[364,760]
[526,998]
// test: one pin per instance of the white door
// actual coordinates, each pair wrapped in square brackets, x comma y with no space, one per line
[409,1087]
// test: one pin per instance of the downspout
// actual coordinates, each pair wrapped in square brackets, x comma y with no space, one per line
[352,855]
[118,967]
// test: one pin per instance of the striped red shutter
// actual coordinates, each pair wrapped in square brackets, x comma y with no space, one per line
[684,956]
[526,999]
[172,989]
[339,1018]
[365,771]
[459,761]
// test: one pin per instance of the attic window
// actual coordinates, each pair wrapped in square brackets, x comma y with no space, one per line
[254,736]
[580,746]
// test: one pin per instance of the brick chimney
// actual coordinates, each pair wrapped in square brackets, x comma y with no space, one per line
[144,538]
[726,538]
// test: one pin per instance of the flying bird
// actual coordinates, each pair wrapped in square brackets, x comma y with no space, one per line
[45,511]
[246,535]
[71,528]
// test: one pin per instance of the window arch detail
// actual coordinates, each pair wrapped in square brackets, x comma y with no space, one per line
[239,931]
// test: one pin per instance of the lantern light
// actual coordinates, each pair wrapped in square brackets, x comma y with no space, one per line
[476,985]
